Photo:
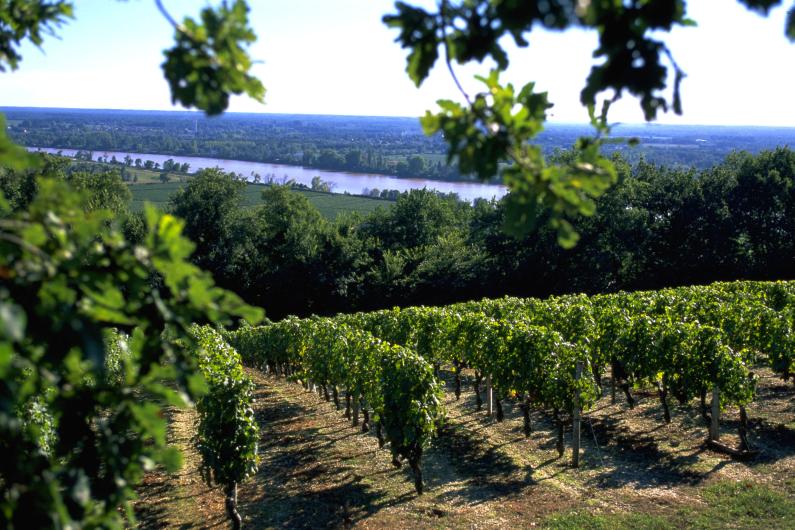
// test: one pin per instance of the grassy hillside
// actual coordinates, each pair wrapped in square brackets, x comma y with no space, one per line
[329,204]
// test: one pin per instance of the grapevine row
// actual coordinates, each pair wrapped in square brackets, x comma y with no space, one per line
[393,383]
[227,434]
[686,341]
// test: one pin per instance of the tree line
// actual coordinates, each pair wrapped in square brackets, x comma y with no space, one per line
[658,227]
[392,146]
[128,161]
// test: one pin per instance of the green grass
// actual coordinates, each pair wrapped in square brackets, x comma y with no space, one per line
[329,204]
[741,504]
[625,521]
[147,176]
[745,505]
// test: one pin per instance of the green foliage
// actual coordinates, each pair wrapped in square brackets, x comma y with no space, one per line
[413,403]
[395,383]
[227,434]
[208,62]
[418,33]
[99,190]
[472,30]
[102,191]
[69,277]
[687,339]
[12,156]
[207,205]
[496,127]
[790,30]
[118,362]
[28,20]
[490,130]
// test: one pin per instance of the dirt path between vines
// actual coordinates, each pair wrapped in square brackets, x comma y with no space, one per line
[318,471]
[181,499]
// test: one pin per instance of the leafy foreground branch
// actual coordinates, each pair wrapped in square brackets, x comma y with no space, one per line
[493,133]
[69,279]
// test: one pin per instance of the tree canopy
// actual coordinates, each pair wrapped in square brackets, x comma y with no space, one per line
[489,135]
[493,133]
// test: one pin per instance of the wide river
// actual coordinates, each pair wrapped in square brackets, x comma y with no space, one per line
[341,182]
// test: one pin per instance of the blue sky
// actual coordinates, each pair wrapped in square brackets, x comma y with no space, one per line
[336,57]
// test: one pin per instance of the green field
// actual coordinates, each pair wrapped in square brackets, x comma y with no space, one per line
[329,204]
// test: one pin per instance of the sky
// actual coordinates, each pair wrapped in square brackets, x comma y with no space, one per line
[337,57]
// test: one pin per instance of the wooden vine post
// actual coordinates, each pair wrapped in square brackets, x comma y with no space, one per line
[489,397]
[714,426]
[231,506]
[612,387]
[576,420]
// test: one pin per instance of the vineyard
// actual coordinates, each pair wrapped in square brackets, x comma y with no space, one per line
[392,372]
[231,360]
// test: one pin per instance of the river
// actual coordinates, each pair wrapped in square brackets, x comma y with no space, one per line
[341,182]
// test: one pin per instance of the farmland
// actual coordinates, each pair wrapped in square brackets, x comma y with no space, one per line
[487,474]
[476,264]
[637,468]
[329,204]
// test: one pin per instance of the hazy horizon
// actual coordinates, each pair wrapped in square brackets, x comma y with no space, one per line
[338,59]
[266,113]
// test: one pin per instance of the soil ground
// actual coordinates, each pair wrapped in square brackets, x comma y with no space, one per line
[319,471]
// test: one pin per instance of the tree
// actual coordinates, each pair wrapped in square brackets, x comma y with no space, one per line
[19,186]
[418,218]
[416,165]
[275,252]
[207,204]
[331,159]
[498,125]
[353,159]
[763,204]
[319,185]
[103,191]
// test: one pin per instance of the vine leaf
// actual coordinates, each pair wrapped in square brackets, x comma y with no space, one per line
[208,62]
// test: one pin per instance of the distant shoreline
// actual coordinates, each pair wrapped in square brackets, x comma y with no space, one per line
[200,115]
[342,182]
